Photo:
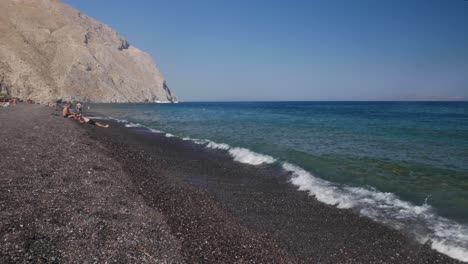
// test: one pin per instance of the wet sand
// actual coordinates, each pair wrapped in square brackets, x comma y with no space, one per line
[72,191]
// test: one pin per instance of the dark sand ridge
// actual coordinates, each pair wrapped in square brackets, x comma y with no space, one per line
[132,196]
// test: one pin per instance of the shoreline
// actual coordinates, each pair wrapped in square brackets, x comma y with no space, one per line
[209,207]
[267,203]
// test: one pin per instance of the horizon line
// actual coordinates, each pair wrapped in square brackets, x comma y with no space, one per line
[252,101]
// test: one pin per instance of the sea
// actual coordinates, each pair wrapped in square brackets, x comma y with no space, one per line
[403,164]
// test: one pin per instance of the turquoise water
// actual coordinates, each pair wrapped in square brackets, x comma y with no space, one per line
[416,152]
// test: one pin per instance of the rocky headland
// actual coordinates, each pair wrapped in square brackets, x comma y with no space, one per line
[51,51]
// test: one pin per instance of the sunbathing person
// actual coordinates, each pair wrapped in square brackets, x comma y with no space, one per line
[90,121]
[66,111]
[78,108]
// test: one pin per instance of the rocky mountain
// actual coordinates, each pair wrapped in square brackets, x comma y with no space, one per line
[50,51]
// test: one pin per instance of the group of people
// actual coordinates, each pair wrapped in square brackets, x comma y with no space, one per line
[5,102]
[76,114]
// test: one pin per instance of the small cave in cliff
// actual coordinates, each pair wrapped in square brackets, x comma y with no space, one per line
[124,44]
[86,38]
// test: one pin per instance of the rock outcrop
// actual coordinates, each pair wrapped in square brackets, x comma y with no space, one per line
[49,51]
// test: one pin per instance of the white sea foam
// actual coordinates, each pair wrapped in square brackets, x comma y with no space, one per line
[156,131]
[249,157]
[450,250]
[214,145]
[242,155]
[196,141]
[199,141]
[450,238]
[446,236]
[133,125]
[168,135]
[119,120]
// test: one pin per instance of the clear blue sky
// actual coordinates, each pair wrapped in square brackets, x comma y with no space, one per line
[299,49]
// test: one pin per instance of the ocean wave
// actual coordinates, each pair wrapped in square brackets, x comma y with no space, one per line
[444,235]
[156,131]
[133,125]
[242,155]
[214,145]
[451,239]
[118,120]
[196,141]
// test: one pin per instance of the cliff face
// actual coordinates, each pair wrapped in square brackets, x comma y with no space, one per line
[49,51]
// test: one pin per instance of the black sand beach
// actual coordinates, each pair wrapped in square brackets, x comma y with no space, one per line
[72,192]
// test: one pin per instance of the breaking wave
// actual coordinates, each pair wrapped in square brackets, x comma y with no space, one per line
[246,156]
[133,125]
[444,235]
[242,155]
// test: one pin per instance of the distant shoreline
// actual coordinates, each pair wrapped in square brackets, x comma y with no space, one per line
[334,101]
